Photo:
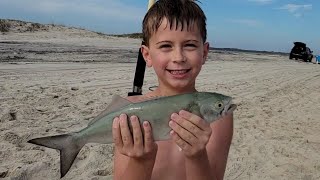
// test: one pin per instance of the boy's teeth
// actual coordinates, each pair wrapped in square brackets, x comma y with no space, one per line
[178,71]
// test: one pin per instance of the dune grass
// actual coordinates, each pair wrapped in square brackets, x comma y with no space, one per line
[4,25]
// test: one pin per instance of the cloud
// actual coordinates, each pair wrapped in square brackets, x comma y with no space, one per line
[295,9]
[262,1]
[97,8]
[247,22]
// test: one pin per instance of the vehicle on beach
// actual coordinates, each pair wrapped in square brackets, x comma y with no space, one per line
[301,51]
[317,59]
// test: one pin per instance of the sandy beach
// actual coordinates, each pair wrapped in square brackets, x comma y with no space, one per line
[56,80]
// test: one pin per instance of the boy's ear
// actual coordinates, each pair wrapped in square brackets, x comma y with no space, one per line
[146,55]
[206,47]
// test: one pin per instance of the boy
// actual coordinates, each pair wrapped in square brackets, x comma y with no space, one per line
[174,32]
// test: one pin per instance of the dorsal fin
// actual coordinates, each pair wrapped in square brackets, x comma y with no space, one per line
[116,103]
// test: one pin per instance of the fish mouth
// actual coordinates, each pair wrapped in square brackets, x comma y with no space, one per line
[230,107]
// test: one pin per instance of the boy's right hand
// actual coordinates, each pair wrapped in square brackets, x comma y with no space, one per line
[136,145]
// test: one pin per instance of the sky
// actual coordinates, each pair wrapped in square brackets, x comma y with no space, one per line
[268,25]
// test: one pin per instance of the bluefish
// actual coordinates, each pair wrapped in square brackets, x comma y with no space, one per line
[210,106]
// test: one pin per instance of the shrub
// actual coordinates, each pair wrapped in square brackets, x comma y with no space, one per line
[4,26]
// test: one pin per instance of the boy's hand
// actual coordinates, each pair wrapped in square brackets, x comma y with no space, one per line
[135,145]
[190,132]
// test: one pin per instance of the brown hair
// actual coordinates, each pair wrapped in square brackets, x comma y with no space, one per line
[176,12]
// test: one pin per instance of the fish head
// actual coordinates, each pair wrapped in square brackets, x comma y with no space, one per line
[214,105]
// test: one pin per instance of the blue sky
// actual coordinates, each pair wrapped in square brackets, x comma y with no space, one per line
[271,25]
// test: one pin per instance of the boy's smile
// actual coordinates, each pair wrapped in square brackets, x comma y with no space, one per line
[176,55]
[179,74]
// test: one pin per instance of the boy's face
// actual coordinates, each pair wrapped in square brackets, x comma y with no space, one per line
[176,56]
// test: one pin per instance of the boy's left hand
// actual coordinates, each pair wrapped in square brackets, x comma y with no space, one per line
[190,132]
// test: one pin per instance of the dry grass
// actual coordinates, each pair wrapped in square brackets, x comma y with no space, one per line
[7,25]
[4,26]
[132,35]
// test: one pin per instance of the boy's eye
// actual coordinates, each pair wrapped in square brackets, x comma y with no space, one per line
[165,46]
[191,45]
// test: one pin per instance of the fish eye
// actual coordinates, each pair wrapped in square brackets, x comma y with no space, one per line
[219,104]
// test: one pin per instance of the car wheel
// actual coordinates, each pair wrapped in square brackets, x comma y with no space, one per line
[306,59]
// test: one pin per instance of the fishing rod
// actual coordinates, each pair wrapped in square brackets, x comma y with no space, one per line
[140,69]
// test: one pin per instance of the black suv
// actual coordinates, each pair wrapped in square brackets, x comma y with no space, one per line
[301,51]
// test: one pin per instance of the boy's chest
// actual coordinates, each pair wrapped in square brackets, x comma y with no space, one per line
[170,162]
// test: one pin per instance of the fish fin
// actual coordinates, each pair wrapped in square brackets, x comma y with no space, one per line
[116,103]
[65,144]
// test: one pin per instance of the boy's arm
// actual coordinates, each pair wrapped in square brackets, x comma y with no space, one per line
[213,162]
[208,162]
[219,145]
[199,168]
[134,154]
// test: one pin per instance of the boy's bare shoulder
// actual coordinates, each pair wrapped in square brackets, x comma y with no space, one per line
[133,98]
[140,98]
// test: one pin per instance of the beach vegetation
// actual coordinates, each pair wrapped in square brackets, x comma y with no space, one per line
[131,35]
[4,25]
[34,27]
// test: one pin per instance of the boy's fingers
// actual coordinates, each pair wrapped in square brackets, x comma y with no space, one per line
[136,131]
[179,141]
[125,131]
[196,120]
[183,133]
[185,124]
[148,136]
[116,132]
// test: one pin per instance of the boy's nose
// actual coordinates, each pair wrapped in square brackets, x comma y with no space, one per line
[179,56]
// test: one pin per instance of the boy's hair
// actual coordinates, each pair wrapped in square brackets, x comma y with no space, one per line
[176,12]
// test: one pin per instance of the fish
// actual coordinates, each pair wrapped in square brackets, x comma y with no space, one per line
[208,105]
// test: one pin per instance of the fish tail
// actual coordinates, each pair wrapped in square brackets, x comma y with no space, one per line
[67,146]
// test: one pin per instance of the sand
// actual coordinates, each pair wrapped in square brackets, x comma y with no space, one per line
[56,81]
